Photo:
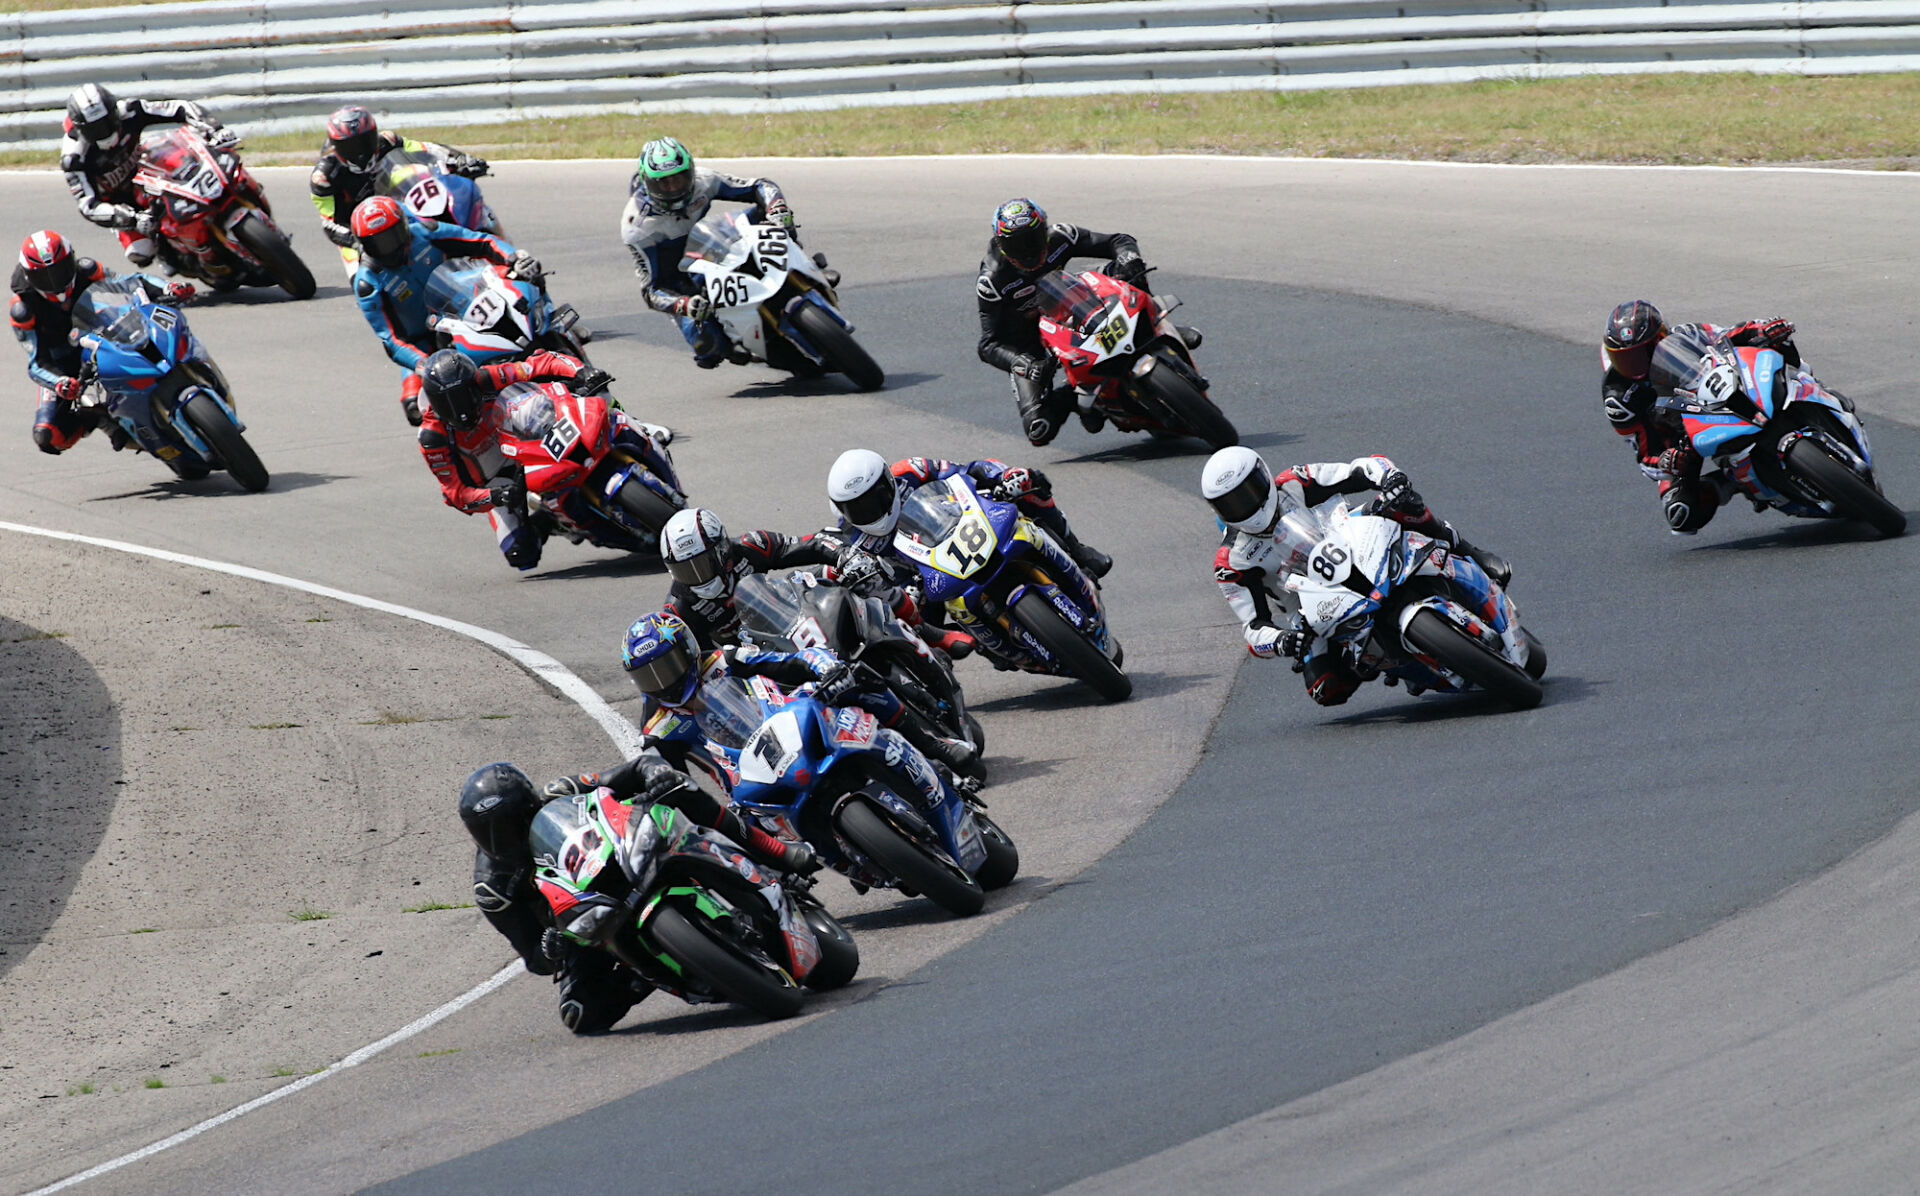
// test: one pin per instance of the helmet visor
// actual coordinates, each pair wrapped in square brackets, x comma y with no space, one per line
[871,506]
[357,150]
[1632,362]
[1244,501]
[386,244]
[671,191]
[665,676]
[1025,247]
[52,278]
[697,570]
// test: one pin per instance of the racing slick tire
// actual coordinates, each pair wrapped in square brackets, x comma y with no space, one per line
[1189,407]
[271,247]
[1536,655]
[940,881]
[839,954]
[738,977]
[1850,494]
[1070,648]
[837,345]
[232,449]
[645,508]
[1461,654]
[1003,858]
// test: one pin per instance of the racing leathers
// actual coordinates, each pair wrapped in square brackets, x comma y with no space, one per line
[101,175]
[338,188]
[44,327]
[475,475]
[596,990]
[1251,569]
[681,729]
[394,300]
[1658,439]
[657,239]
[715,622]
[1010,319]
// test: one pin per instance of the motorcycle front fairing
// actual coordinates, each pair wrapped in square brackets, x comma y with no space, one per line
[487,316]
[743,268]
[149,364]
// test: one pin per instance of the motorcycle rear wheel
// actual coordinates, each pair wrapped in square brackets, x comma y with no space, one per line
[1190,408]
[1080,658]
[232,449]
[1850,494]
[943,883]
[741,980]
[645,507]
[837,345]
[1466,657]
[275,252]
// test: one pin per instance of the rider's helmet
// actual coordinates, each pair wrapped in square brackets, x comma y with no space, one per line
[497,804]
[47,260]
[694,546]
[380,224]
[353,137]
[666,171]
[1240,487]
[1633,330]
[1020,233]
[864,491]
[452,386]
[661,658]
[93,113]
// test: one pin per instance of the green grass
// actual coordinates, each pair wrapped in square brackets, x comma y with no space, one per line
[84,1088]
[438,1054]
[153,1082]
[145,930]
[221,626]
[284,1070]
[393,718]
[216,1079]
[273,726]
[433,906]
[319,619]
[37,635]
[308,913]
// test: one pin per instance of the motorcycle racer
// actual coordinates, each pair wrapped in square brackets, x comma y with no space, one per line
[48,281]
[1026,246]
[399,255]
[498,804]
[669,195]
[868,493]
[1659,443]
[1251,564]
[100,153]
[345,173]
[460,439]
[671,670]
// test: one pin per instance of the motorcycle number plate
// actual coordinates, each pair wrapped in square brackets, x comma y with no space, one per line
[970,546]
[1328,561]
[727,290]
[560,438]
[485,311]
[1111,335]
[771,750]
[1721,383]
[200,179]
[427,198]
[806,633]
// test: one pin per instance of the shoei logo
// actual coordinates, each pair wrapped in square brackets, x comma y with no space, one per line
[487,804]
[1223,478]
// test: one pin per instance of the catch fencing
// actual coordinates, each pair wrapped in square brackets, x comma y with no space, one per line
[283,64]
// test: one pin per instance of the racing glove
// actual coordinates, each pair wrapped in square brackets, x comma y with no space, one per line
[509,493]
[124,216]
[1769,332]
[526,268]
[856,567]
[181,292]
[1020,481]
[1394,488]
[1679,461]
[836,683]
[693,307]
[69,388]
[586,782]
[779,213]
[591,380]
[466,165]
[222,138]
[555,946]
[1129,270]
[146,223]
[1040,369]
[1296,639]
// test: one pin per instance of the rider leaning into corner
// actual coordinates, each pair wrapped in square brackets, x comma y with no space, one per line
[1253,561]
[1658,440]
[498,805]
[100,154]
[460,438]
[669,196]
[345,175]
[47,282]
[1025,248]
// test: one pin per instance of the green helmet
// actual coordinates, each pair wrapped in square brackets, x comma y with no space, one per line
[666,171]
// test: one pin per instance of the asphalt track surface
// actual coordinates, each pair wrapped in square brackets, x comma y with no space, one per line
[1324,892]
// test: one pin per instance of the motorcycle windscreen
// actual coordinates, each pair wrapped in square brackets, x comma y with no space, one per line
[714,239]
[1295,535]
[767,604]
[1678,359]
[414,179]
[1067,300]
[528,411]
[111,311]
[929,516]
[726,712]
[455,284]
[555,824]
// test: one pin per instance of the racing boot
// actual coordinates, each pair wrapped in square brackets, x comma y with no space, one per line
[1494,565]
[1092,420]
[956,754]
[956,644]
[710,345]
[833,276]
[660,434]
[766,850]
[116,435]
[1097,564]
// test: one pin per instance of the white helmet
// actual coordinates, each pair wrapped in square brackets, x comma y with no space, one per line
[864,492]
[694,546]
[1240,487]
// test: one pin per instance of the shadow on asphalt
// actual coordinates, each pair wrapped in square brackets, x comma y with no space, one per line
[219,485]
[1433,708]
[631,565]
[257,296]
[1002,770]
[1808,534]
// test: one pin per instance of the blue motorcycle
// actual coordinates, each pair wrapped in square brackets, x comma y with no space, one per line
[1003,579]
[861,796]
[424,186]
[160,385]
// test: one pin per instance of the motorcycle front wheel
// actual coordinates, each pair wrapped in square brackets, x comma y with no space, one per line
[1466,657]
[272,249]
[229,446]
[1080,658]
[837,345]
[741,979]
[1003,858]
[1190,408]
[939,881]
[644,507]
[1850,494]
[839,954]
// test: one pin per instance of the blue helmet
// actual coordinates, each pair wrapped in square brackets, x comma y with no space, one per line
[661,658]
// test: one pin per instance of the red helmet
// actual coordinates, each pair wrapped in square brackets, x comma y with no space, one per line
[1633,329]
[48,261]
[381,226]
[353,136]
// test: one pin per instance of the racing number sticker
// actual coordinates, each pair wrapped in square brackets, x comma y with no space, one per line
[1326,561]
[727,291]
[427,197]
[560,438]
[1113,334]
[807,634]
[971,543]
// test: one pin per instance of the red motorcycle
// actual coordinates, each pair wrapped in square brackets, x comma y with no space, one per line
[599,478]
[215,223]
[1126,360]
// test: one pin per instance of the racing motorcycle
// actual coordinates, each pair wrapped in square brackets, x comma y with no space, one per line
[1124,358]
[775,302]
[684,906]
[489,315]
[215,223]
[582,469]
[158,383]
[1399,604]
[1785,441]
[1005,580]
[788,614]
[424,186]
[867,802]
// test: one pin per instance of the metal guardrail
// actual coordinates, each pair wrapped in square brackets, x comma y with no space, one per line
[273,65]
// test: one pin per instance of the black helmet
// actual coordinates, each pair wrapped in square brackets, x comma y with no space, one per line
[452,387]
[498,803]
[1020,233]
[1633,329]
[93,113]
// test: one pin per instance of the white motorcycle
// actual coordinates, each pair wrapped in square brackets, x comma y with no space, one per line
[775,302]
[1400,605]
